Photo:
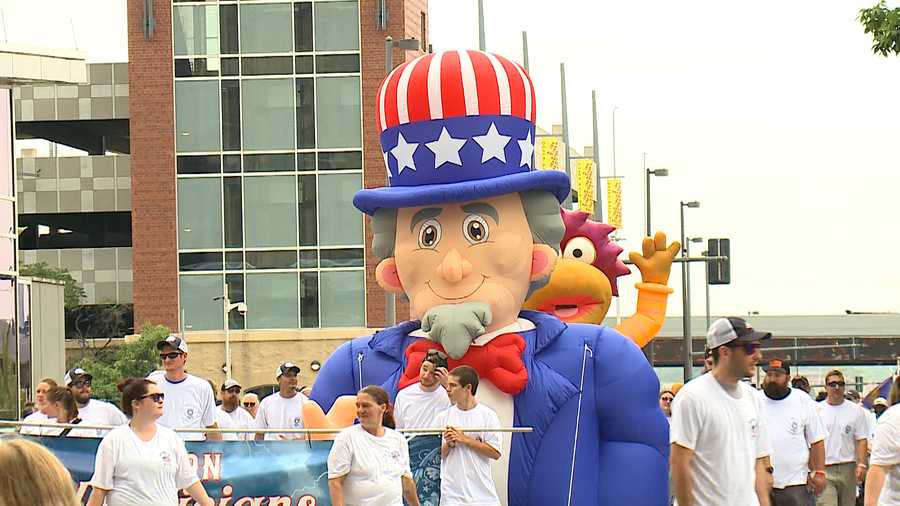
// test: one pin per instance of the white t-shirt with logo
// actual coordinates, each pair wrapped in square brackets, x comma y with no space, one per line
[846,424]
[33,430]
[727,433]
[98,413]
[277,412]
[886,452]
[465,474]
[188,403]
[140,473]
[794,425]
[416,408]
[237,419]
[373,466]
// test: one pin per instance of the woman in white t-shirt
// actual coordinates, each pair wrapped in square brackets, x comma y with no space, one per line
[142,462]
[883,479]
[40,404]
[369,463]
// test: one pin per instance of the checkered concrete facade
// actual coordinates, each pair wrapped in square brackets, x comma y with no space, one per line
[78,184]
[106,97]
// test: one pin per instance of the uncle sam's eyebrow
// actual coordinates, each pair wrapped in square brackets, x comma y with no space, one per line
[424,214]
[482,208]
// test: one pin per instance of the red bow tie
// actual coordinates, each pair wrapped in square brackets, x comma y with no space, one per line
[500,361]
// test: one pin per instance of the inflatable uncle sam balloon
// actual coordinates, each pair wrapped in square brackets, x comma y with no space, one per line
[466,229]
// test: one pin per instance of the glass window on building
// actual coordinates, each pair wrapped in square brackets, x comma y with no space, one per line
[338,112]
[270,211]
[197,294]
[266,28]
[342,298]
[337,14]
[268,114]
[271,300]
[197,124]
[196,29]
[200,213]
[339,222]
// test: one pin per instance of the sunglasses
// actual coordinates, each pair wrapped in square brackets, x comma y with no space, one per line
[249,404]
[836,384]
[666,399]
[156,397]
[749,348]
[80,383]
[171,355]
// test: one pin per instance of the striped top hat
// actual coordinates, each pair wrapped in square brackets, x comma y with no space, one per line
[457,126]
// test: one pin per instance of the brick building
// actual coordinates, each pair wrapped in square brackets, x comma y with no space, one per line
[251,128]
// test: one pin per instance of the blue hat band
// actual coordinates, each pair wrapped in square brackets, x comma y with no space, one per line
[453,150]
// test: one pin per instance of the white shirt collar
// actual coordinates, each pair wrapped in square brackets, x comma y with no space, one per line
[520,325]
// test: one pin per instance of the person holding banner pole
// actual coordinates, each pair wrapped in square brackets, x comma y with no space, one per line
[369,462]
[143,462]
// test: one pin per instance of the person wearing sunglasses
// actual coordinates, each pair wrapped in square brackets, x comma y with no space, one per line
[190,402]
[143,462]
[91,411]
[229,414]
[419,405]
[845,446]
[250,402]
[720,441]
[665,402]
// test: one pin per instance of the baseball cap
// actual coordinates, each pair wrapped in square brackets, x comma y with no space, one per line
[732,329]
[230,383]
[285,367]
[174,341]
[75,374]
[881,401]
[778,364]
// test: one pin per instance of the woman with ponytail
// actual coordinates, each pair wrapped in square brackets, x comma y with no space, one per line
[369,462]
[143,462]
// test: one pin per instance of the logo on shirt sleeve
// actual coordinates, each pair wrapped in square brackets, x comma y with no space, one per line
[848,429]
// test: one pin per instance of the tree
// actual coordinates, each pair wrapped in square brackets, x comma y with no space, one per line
[131,359]
[73,291]
[884,25]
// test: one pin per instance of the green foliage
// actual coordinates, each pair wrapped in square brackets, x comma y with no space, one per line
[884,25]
[73,290]
[132,359]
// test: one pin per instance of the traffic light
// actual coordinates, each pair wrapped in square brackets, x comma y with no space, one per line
[719,271]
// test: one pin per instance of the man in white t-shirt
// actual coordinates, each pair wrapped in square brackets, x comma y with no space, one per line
[230,415]
[883,479]
[91,411]
[798,438]
[419,405]
[190,401]
[283,409]
[720,442]
[845,446]
[466,457]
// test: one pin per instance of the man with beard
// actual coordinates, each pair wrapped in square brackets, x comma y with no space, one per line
[798,438]
[720,442]
[91,411]
[845,445]
[229,414]
[418,406]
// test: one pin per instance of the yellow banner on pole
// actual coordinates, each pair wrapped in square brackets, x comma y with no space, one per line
[550,151]
[584,183]
[614,202]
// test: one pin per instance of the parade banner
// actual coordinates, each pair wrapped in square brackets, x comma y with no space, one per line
[614,202]
[550,153]
[258,473]
[584,178]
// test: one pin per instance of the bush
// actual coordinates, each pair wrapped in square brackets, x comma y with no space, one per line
[137,359]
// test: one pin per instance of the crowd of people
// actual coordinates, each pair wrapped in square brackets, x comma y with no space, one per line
[731,443]
[777,446]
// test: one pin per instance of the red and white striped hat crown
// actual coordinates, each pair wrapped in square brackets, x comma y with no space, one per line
[457,83]
[457,126]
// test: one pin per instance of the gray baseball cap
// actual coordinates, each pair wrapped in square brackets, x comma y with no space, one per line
[727,330]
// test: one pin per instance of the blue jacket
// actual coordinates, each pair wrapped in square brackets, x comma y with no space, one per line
[599,436]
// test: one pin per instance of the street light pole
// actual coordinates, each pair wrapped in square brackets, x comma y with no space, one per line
[481,44]
[706,278]
[598,205]
[688,362]
[226,308]
[658,173]
[565,120]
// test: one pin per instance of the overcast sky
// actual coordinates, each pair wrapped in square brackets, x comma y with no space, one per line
[774,115]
